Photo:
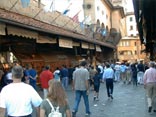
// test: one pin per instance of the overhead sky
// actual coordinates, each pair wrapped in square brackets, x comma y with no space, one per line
[74,6]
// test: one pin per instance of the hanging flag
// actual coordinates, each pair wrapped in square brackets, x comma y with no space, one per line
[82,25]
[25,3]
[76,17]
[66,11]
[49,7]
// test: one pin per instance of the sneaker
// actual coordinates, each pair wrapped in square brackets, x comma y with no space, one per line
[111,97]
[97,99]
[87,114]
[150,109]
[154,111]
[73,114]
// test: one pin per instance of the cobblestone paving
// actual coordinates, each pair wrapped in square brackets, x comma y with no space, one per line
[129,101]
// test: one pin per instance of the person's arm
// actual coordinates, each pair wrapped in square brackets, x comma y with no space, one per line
[2,112]
[38,112]
[68,113]
[42,113]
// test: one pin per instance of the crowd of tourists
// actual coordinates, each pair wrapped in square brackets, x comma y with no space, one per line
[19,87]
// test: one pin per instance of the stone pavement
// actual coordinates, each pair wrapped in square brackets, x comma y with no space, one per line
[129,101]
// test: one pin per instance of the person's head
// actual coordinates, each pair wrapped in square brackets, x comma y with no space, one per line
[152,64]
[83,63]
[17,72]
[56,92]
[107,65]
[98,70]
[47,67]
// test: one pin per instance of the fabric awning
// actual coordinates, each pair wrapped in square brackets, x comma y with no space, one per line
[91,46]
[2,29]
[76,44]
[45,39]
[98,48]
[66,43]
[22,32]
[84,45]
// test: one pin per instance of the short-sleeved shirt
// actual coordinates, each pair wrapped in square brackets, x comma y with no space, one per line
[18,98]
[45,105]
[45,76]
[80,76]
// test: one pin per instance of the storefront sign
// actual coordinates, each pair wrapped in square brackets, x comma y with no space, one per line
[65,43]
[98,48]
[91,46]
[2,29]
[85,45]
[45,39]
[77,44]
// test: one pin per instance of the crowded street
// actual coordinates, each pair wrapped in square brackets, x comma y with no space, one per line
[129,101]
[77,58]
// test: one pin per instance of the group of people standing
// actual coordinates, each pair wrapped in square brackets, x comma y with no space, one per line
[17,98]
[130,73]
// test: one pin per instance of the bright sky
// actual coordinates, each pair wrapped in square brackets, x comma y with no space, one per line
[130,6]
[74,6]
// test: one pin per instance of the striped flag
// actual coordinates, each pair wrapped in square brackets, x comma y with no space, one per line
[76,17]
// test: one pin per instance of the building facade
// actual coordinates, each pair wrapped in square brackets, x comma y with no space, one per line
[39,38]
[130,48]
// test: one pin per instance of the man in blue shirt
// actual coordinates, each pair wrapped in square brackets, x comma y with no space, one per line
[108,76]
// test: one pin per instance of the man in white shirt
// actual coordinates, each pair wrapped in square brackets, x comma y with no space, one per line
[17,98]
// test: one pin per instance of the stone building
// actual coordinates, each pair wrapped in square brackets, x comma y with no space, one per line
[33,36]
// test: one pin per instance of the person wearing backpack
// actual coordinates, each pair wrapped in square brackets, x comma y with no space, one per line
[56,104]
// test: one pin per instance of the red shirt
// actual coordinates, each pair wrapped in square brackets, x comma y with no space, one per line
[45,76]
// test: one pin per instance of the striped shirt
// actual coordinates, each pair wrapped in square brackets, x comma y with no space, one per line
[150,75]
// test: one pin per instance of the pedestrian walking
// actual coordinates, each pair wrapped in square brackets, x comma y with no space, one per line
[45,76]
[97,79]
[140,74]
[117,71]
[17,98]
[57,74]
[123,72]
[150,86]
[64,76]
[81,87]
[57,100]
[32,77]
[91,75]
[134,74]
[108,76]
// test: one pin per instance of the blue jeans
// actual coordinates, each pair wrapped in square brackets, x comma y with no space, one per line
[78,95]
[65,82]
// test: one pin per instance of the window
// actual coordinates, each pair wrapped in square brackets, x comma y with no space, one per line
[102,12]
[127,43]
[132,35]
[135,52]
[98,8]
[106,16]
[131,19]
[131,27]
[135,43]
[129,53]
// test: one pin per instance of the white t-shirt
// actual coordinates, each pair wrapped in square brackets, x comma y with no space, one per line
[18,99]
